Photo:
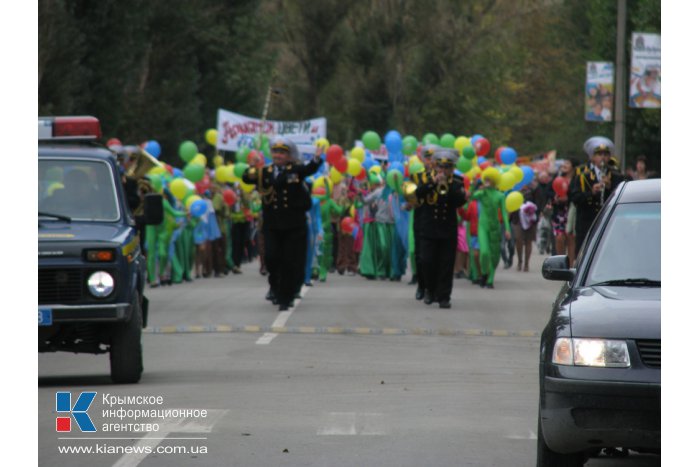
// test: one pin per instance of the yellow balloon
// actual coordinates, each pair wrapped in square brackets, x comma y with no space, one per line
[493,174]
[473,172]
[461,143]
[336,177]
[191,200]
[221,174]
[199,159]
[246,187]
[352,211]
[518,173]
[211,136]
[513,201]
[375,169]
[218,160]
[413,159]
[228,173]
[323,143]
[507,181]
[157,170]
[354,167]
[358,153]
[321,182]
[178,188]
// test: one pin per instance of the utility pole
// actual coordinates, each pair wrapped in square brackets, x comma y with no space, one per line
[620,80]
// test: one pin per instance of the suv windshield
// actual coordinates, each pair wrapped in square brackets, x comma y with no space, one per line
[629,252]
[78,190]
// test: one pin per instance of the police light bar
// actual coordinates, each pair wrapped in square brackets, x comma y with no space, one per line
[69,128]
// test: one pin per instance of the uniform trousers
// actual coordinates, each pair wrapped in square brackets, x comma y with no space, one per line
[437,259]
[285,259]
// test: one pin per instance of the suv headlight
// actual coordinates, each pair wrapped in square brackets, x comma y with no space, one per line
[100,284]
[591,352]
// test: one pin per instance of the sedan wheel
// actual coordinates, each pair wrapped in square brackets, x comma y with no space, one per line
[548,458]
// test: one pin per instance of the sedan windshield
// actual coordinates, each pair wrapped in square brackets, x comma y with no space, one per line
[629,252]
[77,190]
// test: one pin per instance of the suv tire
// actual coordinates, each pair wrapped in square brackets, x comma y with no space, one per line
[125,355]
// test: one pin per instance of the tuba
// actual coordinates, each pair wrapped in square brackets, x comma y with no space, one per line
[141,163]
[408,189]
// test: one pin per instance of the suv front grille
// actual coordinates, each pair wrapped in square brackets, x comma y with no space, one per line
[650,351]
[60,285]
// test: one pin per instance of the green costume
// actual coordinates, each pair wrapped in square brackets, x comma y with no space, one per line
[167,228]
[489,231]
[328,209]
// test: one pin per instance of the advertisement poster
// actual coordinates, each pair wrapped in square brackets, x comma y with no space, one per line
[645,71]
[236,131]
[599,91]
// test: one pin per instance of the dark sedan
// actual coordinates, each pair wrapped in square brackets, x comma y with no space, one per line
[600,353]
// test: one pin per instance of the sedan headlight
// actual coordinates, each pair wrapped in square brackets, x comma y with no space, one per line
[100,284]
[591,352]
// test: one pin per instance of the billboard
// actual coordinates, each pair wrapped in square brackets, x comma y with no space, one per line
[599,91]
[645,71]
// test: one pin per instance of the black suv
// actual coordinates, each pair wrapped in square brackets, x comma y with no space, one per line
[91,268]
[600,353]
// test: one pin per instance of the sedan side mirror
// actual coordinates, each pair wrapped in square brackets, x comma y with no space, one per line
[556,268]
[153,209]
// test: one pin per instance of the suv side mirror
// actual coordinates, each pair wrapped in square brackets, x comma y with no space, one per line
[153,209]
[556,268]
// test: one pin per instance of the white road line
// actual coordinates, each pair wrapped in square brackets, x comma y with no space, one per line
[352,423]
[530,436]
[281,320]
[171,425]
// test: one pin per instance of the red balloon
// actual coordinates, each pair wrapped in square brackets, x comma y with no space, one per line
[203,185]
[482,146]
[484,165]
[406,173]
[362,175]
[560,186]
[497,154]
[341,165]
[229,196]
[467,183]
[169,168]
[255,159]
[347,225]
[334,153]
[114,142]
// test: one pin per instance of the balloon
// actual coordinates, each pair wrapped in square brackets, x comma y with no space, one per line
[358,153]
[255,159]
[394,179]
[211,136]
[229,196]
[482,147]
[113,142]
[409,145]
[416,168]
[156,182]
[508,156]
[371,140]
[322,181]
[469,152]
[497,155]
[191,200]
[467,183]
[335,175]
[375,169]
[221,174]
[319,192]
[218,160]
[374,178]
[493,174]
[392,141]
[514,200]
[198,208]
[347,225]
[518,172]
[246,187]
[528,174]
[430,138]
[560,186]
[475,138]
[239,169]
[463,164]
[187,151]
[484,165]
[199,159]
[507,181]
[178,188]
[461,143]
[203,185]
[322,143]
[194,172]
[447,140]
[354,167]
[334,154]
[362,175]
[342,165]
[153,148]
[242,154]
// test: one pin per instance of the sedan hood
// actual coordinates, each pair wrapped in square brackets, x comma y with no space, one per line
[616,312]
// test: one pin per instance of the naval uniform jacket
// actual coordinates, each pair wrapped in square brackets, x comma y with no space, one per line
[285,196]
[439,217]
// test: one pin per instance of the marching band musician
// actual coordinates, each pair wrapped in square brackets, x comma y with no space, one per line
[442,193]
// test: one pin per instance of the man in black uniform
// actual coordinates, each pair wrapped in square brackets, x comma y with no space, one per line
[442,194]
[592,185]
[419,211]
[286,199]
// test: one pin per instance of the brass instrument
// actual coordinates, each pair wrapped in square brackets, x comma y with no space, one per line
[141,163]
[444,187]
[408,189]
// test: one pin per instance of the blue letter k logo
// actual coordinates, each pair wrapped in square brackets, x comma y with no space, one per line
[79,410]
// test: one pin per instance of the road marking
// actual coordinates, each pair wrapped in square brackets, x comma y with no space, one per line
[278,325]
[352,423]
[531,436]
[171,425]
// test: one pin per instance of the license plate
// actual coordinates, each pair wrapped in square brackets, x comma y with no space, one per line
[45,317]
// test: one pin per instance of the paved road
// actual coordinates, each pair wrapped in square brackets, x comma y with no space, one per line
[357,374]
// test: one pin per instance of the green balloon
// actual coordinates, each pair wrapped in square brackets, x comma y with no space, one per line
[371,140]
[187,151]
[447,140]
[242,154]
[410,144]
[464,165]
[416,168]
[469,152]
[239,169]
[194,172]
[156,182]
[373,178]
[394,179]
[430,138]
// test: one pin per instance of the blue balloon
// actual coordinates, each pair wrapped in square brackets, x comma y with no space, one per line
[508,156]
[481,159]
[396,166]
[198,208]
[393,142]
[475,138]
[177,172]
[528,174]
[519,185]
[153,148]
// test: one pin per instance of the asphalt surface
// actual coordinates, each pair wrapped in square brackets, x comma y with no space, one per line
[358,373]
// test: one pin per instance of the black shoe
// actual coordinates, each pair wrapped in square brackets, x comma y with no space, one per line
[308,284]
[460,275]
[298,295]
[420,294]
[445,304]
[270,295]
[489,286]
[414,280]
[283,307]
[237,270]
[483,281]
[428,300]
[395,279]
[341,272]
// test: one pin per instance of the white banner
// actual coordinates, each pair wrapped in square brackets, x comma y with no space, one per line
[236,131]
[599,91]
[645,71]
